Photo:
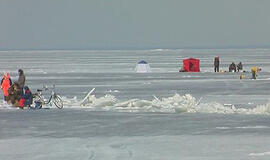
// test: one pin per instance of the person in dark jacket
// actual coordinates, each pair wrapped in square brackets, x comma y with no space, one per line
[27,98]
[216,64]
[232,67]
[239,67]
[21,80]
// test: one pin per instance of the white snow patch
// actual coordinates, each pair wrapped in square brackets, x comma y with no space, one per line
[260,154]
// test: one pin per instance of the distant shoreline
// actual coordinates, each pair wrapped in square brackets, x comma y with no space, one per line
[134,49]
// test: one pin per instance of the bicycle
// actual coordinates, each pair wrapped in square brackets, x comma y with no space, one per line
[54,98]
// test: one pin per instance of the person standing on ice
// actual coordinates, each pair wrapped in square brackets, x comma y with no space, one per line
[254,71]
[21,80]
[216,64]
[5,85]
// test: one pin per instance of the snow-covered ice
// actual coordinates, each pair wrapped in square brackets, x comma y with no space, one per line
[159,115]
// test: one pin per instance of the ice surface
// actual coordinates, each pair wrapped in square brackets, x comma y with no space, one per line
[159,115]
[85,134]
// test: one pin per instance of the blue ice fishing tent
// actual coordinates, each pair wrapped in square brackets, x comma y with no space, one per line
[142,67]
[142,62]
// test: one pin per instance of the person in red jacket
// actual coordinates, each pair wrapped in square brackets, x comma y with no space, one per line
[5,85]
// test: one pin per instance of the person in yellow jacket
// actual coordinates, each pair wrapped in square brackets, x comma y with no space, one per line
[254,71]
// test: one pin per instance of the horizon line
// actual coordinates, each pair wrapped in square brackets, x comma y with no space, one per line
[129,48]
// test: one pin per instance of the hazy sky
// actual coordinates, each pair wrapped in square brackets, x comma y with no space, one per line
[133,24]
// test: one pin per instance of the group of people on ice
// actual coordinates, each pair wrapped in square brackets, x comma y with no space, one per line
[238,68]
[232,66]
[16,93]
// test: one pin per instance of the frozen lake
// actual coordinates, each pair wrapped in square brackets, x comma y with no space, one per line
[202,115]
[83,134]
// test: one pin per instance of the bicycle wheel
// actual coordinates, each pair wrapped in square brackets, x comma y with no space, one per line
[58,101]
